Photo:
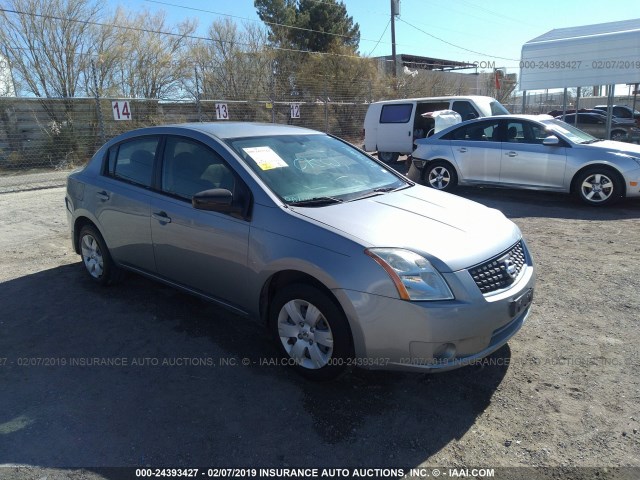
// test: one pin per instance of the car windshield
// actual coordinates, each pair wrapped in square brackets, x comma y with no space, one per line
[569,131]
[314,169]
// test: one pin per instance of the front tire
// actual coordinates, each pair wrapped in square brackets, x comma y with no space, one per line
[598,186]
[619,136]
[439,175]
[96,257]
[311,331]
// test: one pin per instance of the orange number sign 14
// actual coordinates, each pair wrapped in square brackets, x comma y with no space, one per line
[121,110]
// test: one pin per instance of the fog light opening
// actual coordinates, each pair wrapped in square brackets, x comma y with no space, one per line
[446,351]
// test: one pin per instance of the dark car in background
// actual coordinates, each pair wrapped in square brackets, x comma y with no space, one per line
[596,124]
[621,111]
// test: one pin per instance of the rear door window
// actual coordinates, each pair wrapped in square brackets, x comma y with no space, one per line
[132,161]
[487,131]
[396,113]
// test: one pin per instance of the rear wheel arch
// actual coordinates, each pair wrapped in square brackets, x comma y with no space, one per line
[77,226]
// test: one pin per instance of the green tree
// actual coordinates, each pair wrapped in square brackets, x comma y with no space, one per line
[309,25]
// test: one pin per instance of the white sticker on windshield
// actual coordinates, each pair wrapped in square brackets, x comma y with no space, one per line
[265,158]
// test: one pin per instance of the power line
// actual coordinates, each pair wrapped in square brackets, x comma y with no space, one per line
[275,24]
[173,34]
[385,31]
[494,13]
[454,45]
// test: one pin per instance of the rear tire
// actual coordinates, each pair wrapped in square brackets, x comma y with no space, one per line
[96,257]
[388,157]
[311,331]
[440,176]
[598,186]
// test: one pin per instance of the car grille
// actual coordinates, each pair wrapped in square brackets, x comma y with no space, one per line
[500,271]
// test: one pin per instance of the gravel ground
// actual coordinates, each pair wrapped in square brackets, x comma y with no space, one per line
[563,393]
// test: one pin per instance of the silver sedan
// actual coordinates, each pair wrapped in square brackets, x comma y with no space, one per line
[531,152]
[344,260]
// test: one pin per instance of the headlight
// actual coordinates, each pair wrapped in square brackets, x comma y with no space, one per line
[413,275]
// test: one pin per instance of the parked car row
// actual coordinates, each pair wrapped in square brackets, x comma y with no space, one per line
[391,127]
[344,260]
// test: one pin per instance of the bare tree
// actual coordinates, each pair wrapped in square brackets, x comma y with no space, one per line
[426,83]
[47,43]
[234,63]
[108,50]
[152,62]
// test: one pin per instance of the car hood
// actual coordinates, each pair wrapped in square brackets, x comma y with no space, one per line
[452,232]
[616,147]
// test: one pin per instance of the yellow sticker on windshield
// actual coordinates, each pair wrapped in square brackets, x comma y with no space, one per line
[265,158]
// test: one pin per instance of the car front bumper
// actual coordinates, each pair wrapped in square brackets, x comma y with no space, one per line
[394,334]
[632,183]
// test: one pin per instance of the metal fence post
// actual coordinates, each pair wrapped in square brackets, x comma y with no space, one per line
[198,104]
[326,107]
[98,107]
[273,91]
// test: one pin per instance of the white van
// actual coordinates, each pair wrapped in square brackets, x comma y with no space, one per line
[392,126]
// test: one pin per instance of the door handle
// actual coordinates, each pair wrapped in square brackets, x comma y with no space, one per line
[162,217]
[462,149]
[104,196]
[512,154]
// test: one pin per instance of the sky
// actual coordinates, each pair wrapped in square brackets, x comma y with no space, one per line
[489,33]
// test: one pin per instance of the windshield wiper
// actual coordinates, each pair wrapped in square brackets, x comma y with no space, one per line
[316,202]
[378,191]
[591,141]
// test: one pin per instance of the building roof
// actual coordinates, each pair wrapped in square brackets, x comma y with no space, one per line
[588,30]
[601,54]
[427,63]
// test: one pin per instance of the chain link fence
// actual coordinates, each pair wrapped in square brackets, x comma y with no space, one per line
[41,140]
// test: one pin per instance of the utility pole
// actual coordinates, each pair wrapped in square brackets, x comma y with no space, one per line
[395,10]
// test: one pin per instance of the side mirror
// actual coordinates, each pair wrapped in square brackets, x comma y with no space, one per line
[216,199]
[551,141]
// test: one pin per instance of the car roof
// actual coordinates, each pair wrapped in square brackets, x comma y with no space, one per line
[591,114]
[537,118]
[540,117]
[225,130]
[436,99]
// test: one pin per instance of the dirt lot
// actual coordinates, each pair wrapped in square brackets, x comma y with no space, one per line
[565,392]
